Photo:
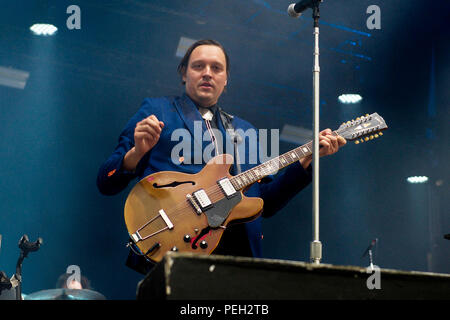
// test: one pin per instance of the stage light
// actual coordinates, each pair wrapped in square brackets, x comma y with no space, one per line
[349,98]
[43,29]
[417,179]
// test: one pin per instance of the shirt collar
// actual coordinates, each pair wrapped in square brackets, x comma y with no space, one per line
[207,113]
[205,110]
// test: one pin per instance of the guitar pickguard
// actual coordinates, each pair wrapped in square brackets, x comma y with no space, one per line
[218,213]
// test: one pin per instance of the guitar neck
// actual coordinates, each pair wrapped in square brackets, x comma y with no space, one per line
[272,166]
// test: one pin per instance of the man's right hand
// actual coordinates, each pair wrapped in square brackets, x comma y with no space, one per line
[146,136]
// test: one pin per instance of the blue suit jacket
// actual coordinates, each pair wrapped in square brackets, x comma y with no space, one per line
[181,112]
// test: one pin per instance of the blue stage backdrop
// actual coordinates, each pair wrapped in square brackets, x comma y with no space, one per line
[84,84]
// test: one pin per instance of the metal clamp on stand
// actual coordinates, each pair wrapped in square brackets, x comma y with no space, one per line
[25,247]
[11,289]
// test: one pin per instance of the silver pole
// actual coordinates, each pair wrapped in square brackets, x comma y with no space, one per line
[316,245]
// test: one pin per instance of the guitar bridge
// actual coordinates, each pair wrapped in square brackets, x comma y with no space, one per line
[194,204]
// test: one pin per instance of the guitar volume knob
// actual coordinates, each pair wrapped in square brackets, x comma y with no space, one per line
[203,244]
[187,238]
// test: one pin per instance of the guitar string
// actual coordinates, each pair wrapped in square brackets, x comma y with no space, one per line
[216,190]
[213,192]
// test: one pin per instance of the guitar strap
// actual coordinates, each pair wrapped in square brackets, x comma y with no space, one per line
[226,119]
[235,239]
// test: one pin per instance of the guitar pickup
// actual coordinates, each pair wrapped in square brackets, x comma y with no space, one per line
[227,187]
[202,199]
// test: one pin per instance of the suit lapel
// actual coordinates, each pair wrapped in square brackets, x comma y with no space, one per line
[191,117]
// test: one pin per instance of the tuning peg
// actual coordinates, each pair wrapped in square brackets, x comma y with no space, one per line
[358,118]
[380,133]
[371,137]
[367,114]
[366,138]
[356,141]
[362,140]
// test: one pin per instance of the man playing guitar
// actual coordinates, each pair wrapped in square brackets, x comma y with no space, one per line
[146,147]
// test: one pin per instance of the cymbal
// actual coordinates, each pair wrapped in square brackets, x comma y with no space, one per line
[65,294]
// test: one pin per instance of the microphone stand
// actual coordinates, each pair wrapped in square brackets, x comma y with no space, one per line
[316,245]
[369,251]
[18,275]
[25,247]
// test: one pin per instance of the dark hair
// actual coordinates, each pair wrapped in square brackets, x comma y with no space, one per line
[62,281]
[182,67]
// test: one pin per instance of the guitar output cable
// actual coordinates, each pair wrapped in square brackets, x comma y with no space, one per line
[138,251]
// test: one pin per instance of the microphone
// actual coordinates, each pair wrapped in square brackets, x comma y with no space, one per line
[295,9]
[372,244]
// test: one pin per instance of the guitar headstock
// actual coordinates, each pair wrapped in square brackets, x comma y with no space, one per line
[362,129]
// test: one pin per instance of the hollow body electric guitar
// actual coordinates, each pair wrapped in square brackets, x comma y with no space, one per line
[184,212]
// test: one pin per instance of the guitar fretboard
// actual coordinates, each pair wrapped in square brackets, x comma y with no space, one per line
[252,175]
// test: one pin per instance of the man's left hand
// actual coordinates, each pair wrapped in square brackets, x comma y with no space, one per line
[328,144]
